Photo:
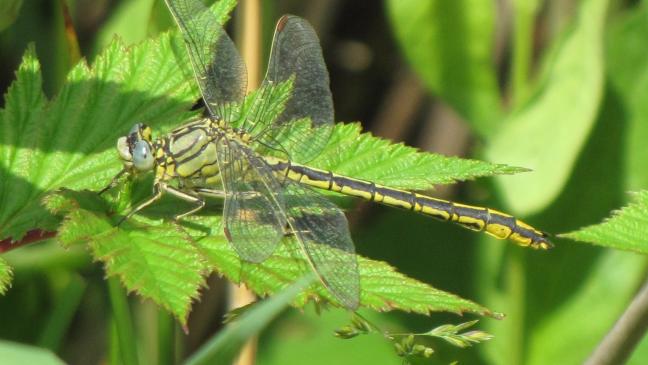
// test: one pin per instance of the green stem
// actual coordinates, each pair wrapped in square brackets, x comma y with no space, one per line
[166,338]
[223,347]
[516,285]
[123,322]
[66,305]
[524,12]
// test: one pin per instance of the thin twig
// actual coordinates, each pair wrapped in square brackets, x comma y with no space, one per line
[396,116]
[619,343]
[251,51]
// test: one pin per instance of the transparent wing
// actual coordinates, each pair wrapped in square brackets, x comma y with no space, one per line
[323,231]
[254,209]
[296,56]
[219,69]
[258,207]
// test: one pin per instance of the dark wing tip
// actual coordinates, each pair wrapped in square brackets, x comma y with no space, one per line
[281,23]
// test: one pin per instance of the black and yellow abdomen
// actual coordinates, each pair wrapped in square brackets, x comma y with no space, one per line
[493,222]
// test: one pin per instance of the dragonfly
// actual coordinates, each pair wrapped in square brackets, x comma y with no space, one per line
[268,196]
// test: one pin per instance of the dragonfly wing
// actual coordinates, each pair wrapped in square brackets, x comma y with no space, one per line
[323,231]
[254,208]
[219,69]
[296,55]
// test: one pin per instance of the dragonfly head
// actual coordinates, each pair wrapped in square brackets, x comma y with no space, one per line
[135,148]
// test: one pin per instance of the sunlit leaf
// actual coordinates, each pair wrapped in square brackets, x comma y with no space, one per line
[68,142]
[364,156]
[549,132]
[382,288]
[627,65]
[158,262]
[17,353]
[588,313]
[164,262]
[626,229]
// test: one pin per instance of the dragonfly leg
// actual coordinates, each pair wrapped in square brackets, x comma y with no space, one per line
[216,193]
[157,193]
[212,193]
[189,196]
[113,182]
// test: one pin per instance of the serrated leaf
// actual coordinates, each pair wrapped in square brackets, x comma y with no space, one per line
[549,132]
[626,229]
[382,288]
[364,156]
[68,142]
[450,45]
[158,262]
[5,276]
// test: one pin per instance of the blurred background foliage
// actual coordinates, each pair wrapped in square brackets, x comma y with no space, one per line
[558,86]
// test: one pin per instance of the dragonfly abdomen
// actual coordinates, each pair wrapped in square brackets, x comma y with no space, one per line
[493,222]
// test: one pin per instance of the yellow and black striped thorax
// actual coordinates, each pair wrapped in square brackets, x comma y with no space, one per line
[189,152]
[493,222]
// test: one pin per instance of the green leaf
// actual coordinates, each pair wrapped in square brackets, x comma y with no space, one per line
[5,276]
[524,14]
[159,262]
[626,229]
[548,134]
[121,23]
[68,142]
[164,262]
[16,353]
[627,66]
[382,288]
[363,156]
[224,346]
[584,317]
[450,45]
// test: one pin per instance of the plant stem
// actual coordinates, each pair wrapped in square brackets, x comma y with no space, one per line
[249,32]
[123,322]
[524,12]
[618,344]
[30,237]
[66,305]
[166,338]
[516,286]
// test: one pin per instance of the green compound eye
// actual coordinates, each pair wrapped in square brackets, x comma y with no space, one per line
[142,157]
